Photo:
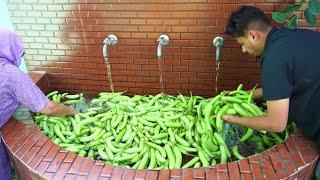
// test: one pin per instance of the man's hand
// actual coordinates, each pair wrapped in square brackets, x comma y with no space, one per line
[229,118]
[275,121]
[258,93]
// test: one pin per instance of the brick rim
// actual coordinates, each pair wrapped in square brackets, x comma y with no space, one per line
[37,157]
[273,163]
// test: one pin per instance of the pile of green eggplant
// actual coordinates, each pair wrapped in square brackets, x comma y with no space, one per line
[156,132]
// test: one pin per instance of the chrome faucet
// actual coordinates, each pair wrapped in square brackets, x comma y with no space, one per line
[110,40]
[218,43]
[163,40]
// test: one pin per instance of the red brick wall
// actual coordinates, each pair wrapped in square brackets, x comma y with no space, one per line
[64,38]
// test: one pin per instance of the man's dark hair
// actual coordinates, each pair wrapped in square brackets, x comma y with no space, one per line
[246,18]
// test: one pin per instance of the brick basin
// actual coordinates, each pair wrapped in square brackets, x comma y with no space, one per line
[36,157]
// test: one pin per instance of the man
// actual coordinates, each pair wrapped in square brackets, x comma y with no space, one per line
[18,88]
[290,72]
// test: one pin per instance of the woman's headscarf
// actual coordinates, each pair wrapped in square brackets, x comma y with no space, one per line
[11,48]
[16,87]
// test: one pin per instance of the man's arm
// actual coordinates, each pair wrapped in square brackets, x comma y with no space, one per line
[276,119]
[55,109]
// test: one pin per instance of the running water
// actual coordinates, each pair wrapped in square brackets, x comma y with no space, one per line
[217,75]
[160,64]
[106,61]
[160,67]
[217,42]
[163,40]
[81,21]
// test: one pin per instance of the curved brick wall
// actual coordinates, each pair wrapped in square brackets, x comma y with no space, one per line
[36,157]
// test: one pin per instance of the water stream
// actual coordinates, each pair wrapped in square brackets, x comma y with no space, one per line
[217,76]
[81,21]
[106,61]
[160,67]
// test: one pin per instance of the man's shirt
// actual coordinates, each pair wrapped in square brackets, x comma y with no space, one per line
[291,69]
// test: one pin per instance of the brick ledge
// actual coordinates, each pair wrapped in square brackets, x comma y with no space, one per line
[36,156]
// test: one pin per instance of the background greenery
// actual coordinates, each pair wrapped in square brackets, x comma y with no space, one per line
[289,17]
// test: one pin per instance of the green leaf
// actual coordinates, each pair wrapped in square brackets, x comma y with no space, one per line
[314,6]
[293,23]
[278,17]
[290,9]
[310,18]
[302,2]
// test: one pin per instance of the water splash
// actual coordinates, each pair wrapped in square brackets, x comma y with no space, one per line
[106,61]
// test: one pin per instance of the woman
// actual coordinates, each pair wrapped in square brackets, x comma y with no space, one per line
[18,88]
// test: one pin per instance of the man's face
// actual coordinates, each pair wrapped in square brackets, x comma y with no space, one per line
[250,43]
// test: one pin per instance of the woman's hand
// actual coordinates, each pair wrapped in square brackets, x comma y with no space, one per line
[56,109]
